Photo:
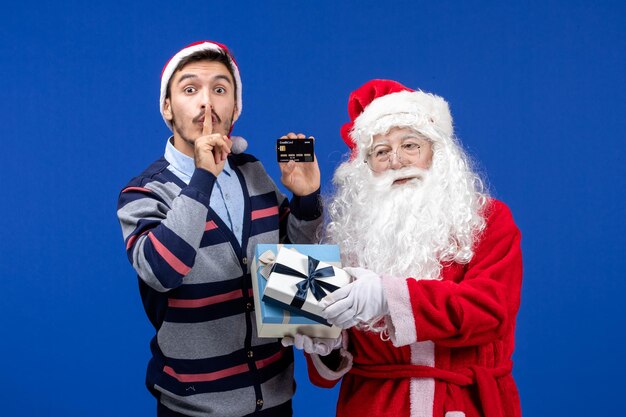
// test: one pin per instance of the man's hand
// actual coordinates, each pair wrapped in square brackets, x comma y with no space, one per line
[359,301]
[318,345]
[301,178]
[211,149]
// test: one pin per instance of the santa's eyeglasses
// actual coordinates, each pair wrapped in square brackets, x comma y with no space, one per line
[379,158]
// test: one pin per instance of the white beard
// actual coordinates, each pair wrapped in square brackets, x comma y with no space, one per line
[405,230]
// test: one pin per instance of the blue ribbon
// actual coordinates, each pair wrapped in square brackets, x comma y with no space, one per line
[309,282]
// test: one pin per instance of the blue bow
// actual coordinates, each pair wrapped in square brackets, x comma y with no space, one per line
[309,282]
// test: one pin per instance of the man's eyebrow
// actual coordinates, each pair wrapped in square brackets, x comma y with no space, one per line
[217,77]
[186,77]
[222,77]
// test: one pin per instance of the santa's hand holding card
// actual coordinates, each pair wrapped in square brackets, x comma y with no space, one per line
[358,302]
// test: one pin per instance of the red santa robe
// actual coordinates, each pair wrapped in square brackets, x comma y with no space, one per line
[451,341]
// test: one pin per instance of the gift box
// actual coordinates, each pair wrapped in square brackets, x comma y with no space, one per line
[288,281]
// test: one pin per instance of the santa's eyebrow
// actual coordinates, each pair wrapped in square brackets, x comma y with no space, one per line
[402,139]
[413,136]
[381,143]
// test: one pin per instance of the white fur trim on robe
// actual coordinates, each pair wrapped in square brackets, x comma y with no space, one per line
[344,366]
[422,389]
[400,321]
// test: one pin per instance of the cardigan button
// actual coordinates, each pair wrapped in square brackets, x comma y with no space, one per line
[245,261]
[259,402]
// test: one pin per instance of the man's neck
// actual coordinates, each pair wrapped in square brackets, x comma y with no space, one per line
[183,146]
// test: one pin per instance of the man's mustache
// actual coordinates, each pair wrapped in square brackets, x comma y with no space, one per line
[198,118]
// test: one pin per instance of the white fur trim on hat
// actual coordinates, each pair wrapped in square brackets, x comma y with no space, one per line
[415,109]
[170,67]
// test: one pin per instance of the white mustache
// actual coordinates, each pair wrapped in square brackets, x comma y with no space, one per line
[385,180]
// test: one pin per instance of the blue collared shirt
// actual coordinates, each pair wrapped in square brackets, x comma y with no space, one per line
[227,195]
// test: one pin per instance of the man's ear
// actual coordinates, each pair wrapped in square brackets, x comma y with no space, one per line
[235,114]
[167,110]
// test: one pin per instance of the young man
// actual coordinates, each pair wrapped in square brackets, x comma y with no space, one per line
[437,268]
[191,222]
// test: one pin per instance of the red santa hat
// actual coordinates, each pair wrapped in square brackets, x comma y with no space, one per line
[170,67]
[379,105]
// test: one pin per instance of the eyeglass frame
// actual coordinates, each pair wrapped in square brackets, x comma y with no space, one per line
[398,154]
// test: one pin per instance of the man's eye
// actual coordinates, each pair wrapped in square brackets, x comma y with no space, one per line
[220,90]
[381,153]
[410,146]
[190,90]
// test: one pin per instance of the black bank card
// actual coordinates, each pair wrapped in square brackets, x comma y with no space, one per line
[299,150]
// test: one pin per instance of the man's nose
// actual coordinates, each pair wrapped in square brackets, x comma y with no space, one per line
[395,160]
[206,99]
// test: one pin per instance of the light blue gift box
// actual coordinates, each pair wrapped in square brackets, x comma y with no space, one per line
[274,321]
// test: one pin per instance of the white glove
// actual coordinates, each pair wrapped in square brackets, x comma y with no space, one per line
[360,301]
[318,345]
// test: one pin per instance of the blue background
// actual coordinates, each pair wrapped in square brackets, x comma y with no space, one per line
[537,93]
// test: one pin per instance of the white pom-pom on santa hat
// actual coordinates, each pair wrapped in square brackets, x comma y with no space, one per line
[170,67]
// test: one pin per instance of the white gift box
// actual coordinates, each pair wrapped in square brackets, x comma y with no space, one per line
[298,281]
[274,292]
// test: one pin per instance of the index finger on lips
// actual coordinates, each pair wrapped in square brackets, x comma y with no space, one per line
[207,125]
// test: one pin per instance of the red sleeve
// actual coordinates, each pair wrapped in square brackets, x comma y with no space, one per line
[482,306]
[315,377]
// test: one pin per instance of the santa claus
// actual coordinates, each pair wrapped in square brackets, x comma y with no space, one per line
[437,267]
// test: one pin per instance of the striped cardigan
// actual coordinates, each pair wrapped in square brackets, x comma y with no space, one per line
[194,280]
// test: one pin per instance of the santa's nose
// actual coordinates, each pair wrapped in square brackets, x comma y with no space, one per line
[395,161]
